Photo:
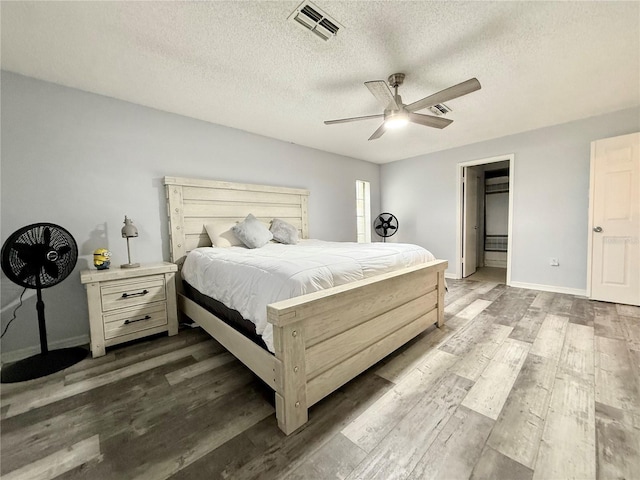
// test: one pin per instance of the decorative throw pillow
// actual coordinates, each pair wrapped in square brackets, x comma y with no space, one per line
[221,235]
[252,232]
[284,232]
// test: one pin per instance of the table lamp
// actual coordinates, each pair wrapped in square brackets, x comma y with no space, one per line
[129,231]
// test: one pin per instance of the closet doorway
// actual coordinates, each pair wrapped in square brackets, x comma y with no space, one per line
[485,205]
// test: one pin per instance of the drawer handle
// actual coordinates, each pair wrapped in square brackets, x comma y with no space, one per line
[127,295]
[146,317]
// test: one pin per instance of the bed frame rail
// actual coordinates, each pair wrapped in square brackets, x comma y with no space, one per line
[260,361]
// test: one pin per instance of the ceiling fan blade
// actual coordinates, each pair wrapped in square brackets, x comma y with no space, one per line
[378,133]
[429,120]
[445,95]
[352,119]
[381,91]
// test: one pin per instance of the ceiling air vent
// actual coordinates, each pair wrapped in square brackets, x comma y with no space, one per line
[439,109]
[312,18]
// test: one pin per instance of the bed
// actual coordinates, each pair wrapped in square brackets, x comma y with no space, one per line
[323,339]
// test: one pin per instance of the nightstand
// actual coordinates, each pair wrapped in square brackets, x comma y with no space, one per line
[130,303]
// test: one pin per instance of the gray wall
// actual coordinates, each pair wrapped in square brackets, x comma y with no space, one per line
[551,197]
[84,161]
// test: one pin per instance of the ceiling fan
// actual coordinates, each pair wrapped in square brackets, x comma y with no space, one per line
[397,114]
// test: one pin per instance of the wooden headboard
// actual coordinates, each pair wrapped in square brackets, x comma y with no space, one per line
[192,202]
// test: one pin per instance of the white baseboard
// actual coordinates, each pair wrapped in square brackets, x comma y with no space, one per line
[15,355]
[536,286]
[550,288]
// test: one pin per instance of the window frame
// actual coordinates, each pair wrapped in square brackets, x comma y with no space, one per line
[363,211]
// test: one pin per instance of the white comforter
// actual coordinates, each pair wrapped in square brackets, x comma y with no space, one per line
[247,280]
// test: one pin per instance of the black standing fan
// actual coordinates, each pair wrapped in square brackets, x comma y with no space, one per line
[40,256]
[385,225]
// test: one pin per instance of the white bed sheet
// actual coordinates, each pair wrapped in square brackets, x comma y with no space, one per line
[247,280]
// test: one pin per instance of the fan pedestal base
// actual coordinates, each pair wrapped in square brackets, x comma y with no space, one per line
[42,364]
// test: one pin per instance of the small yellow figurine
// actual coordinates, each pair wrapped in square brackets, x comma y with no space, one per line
[102,258]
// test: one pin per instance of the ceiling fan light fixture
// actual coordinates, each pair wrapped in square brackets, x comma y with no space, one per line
[396,120]
[397,114]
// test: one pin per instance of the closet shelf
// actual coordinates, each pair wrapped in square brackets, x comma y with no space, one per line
[496,188]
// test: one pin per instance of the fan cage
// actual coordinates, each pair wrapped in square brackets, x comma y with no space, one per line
[381,219]
[61,249]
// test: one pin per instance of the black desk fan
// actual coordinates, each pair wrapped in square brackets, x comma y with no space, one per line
[385,225]
[40,256]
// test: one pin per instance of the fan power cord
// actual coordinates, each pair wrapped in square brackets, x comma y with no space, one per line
[13,317]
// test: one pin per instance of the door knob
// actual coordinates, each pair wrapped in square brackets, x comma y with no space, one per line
[597,229]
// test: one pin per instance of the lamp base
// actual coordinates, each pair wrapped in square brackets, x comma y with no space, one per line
[130,265]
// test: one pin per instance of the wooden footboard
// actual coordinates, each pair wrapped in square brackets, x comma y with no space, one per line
[325,339]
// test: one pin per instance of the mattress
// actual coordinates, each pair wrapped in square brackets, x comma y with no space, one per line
[247,280]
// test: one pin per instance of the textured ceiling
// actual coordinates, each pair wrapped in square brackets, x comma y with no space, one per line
[242,64]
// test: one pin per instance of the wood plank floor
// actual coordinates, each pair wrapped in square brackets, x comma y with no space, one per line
[518,384]
[489,274]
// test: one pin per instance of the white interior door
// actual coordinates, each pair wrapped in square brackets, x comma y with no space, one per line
[615,219]
[470,221]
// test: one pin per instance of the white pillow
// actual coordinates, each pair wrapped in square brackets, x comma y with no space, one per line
[221,235]
[252,232]
[284,232]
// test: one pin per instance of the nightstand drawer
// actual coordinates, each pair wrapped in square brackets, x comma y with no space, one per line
[127,293]
[135,319]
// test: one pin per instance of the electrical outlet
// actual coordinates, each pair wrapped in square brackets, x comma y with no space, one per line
[554,262]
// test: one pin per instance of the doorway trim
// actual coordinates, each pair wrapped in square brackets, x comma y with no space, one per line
[460,214]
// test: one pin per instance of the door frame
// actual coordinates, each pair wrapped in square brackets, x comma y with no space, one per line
[460,214]
[592,183]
